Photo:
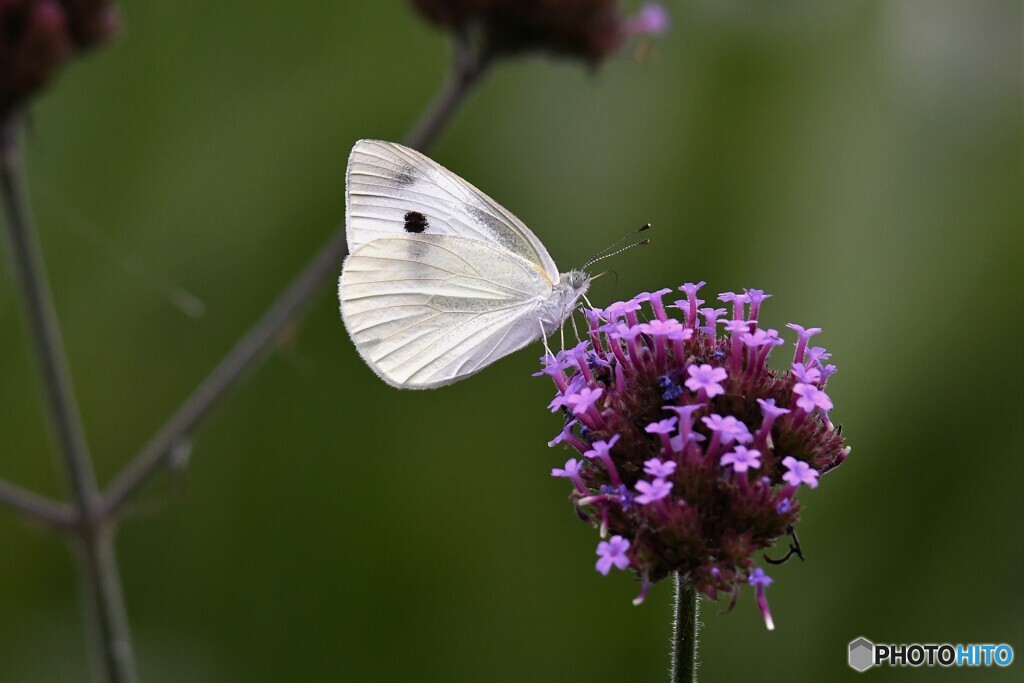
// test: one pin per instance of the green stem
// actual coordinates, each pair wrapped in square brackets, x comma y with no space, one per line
[686,610]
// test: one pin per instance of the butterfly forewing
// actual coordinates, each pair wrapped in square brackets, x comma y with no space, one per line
[394,190]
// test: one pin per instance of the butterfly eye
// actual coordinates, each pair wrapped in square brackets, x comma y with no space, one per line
[415,222]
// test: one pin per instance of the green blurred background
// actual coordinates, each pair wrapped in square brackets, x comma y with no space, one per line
[859,160]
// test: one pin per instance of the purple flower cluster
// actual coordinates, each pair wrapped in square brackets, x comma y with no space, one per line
[37,37]
[692,447]
[588,29]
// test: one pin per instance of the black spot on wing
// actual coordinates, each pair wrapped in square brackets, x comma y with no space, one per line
[415,222]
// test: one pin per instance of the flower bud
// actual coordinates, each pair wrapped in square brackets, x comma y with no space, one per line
[38,37]
[588,29]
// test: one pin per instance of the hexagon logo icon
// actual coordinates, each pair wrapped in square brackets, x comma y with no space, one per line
[862,654]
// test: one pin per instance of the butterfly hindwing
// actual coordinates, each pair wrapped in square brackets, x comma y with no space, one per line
[425,309]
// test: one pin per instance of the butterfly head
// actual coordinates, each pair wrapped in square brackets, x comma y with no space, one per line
[571,286]
[577,281]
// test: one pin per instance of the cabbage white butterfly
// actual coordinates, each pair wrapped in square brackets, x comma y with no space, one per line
[440,281]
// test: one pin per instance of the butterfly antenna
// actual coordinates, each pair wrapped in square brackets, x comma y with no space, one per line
[604,253]
[617,251]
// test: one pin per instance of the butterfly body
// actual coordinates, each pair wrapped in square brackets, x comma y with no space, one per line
[440,280]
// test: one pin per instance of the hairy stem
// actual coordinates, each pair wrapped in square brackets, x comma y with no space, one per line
[685,612]
[105,605]
[468,67]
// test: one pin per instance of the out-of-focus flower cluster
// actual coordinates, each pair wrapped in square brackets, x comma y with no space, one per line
[691,448]
[37,37]
[588,29]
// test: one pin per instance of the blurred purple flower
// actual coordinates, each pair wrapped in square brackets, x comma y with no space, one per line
[591,30]
[652,19]
[38,37]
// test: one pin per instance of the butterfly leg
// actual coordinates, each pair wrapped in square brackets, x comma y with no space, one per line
[592,307]
[544,340]
[575,329]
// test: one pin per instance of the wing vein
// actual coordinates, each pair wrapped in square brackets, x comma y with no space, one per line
[452,346]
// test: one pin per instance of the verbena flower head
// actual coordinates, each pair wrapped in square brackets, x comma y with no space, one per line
[587,29]
[37,37]
[694,448]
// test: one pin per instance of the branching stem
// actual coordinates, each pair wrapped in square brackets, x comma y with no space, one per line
[94,537]
[468,66]
[91,520]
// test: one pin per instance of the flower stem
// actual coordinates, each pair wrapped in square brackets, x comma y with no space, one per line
[468,68]
[108,621]
[59,516]
[470,64]
[42,319]
[686,610]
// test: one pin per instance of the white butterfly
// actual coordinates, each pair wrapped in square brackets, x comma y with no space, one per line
[440,280]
